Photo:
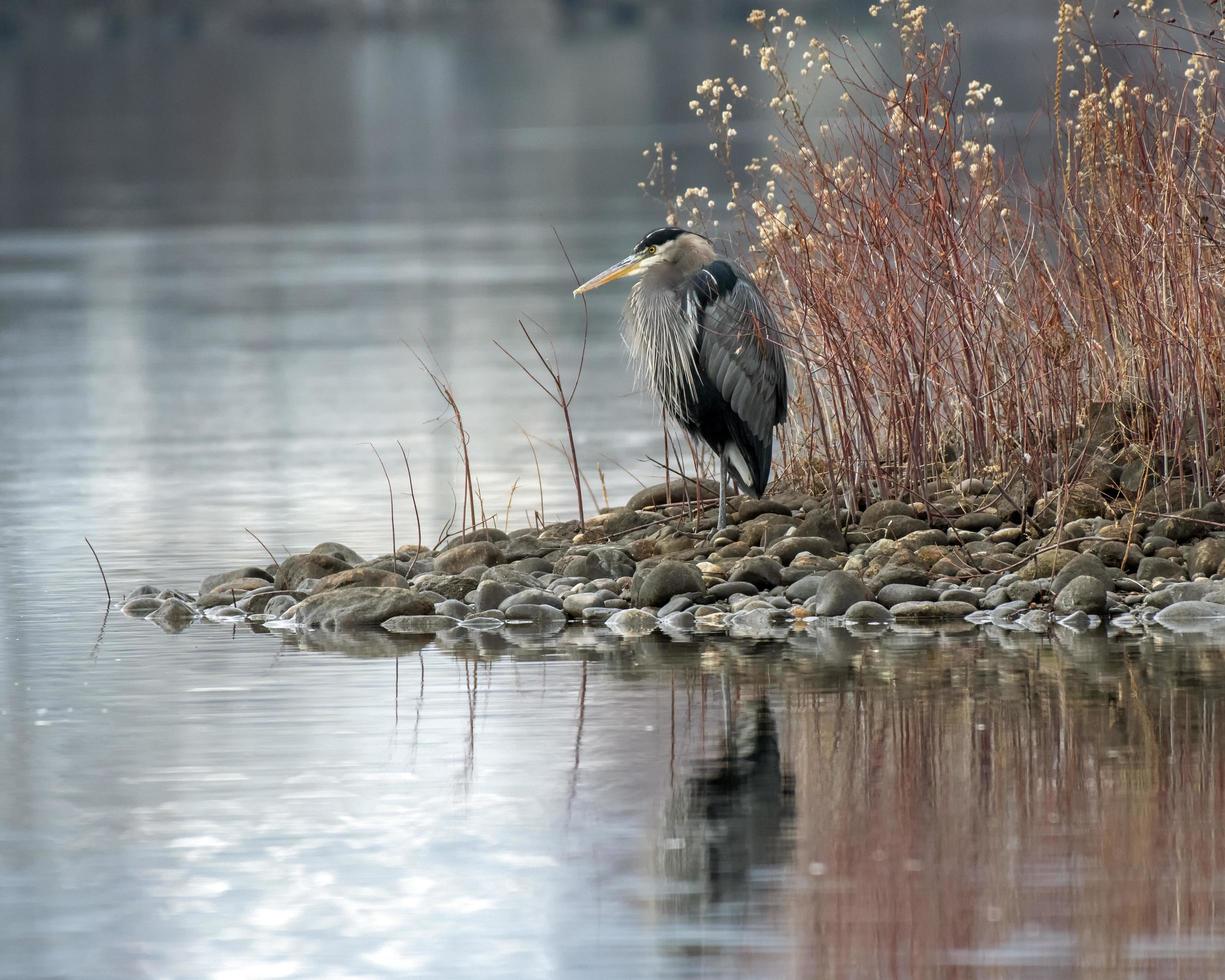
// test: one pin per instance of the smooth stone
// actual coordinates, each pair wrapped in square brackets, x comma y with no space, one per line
[447,586]
[534,612]
[357,607]
[805,588]
[681,621]
[490,595]
[677,491]
[279,604]
[960,595]
[511,577]
[874,513]
[1160,569]
[141,606]
[1088,564]
[677,603]
[725,590]
[350,577]
[822,523]
[1192,615]
[899,574]
[655,585]
[866,613]
[296,569]
[751,508]
[787,548]
[632,622]
[1036,621]
[595,615]
[576,603]
[1047,564]
[1085,593]
[225,614]
[147,589]
[1206,556]
[756,624]
[765,573]
[419,624]
[938,609]
[1179,592]
[532,597]
[337,550]
[978,521]
[455,559]
[899,525]
[1026,592]
[246,571]
[483,624]
[454,608]
[258,602]
[836,593]
[605,562]
[173,615]
[898,592]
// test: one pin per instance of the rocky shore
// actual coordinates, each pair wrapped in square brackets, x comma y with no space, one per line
[1074,559]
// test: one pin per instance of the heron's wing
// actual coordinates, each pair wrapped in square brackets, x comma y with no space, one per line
[740,363]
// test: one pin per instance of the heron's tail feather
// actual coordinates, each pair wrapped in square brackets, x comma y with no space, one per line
[750,470]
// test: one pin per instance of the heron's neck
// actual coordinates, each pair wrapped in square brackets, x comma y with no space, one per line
[691,254]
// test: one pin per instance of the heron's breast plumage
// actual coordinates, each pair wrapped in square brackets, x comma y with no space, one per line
[661,334]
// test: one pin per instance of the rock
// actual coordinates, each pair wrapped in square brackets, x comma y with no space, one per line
[360,576]
[633,622]
[1073,503]
[676,490]
[787,548]
[756,624]
[447,586]
[596,615]
[765,573]
[900,525]
[534,612]
[490,595]
[573,605]
[255,603]
[898,574]
[654,585]
[599,562]
[805,588]
[246,571]
[278,604]
[1084,593]
[1048,564]
[911,612]
[455,559]
[876,512]
[225,614]
[725,590]
[1192,615]
[455,608]
[867,613]
[175,615]
[751,508]
[822,523]
[483,624]
[141,606]
[1089,565]
[1206,556]
[335,550]
[419,624]
[533,597]
[1160,569]
[358,606]
[978,521]
[1176,493]
[296,569]
[678,603]
[682,621]
[836,593]
[898,592]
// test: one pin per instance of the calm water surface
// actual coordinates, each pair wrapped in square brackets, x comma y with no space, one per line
[214,256]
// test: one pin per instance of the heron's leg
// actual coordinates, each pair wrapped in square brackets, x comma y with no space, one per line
[722,493]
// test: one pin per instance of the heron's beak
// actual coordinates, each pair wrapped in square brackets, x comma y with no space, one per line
[626,267]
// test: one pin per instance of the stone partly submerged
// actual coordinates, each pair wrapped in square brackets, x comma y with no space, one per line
[966,556]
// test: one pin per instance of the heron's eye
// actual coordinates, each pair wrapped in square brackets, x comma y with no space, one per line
[651,250]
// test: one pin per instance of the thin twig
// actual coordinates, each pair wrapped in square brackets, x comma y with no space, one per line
[105,584]
[275,563]
[391,500]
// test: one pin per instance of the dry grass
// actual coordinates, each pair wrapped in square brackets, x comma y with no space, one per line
[951,315]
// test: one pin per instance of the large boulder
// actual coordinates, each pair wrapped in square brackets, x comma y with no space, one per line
[836,592]
[454,560]
[351,577]
[656,584]
[298,568]
[360,606]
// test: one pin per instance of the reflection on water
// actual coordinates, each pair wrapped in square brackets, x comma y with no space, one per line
[827,804]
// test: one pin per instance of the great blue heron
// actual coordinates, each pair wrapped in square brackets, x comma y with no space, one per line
[705,342]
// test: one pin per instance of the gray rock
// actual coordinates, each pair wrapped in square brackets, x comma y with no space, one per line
[822,523]
[1206,556]
[765,573]
[675,490]
[419,624]
[454,608]
[533,597]
[750,508]
[511,576]
[836,593]
[535,612]
[246,571]
[374,577]
[141,606]
[899,574]
[682,621]
[225,614]
[866,613]
[911,612]
[876,512]
[786,548]
[447,586]
[1035,621]
[891,595]
[804,589]
[595,615]
[1192,616]
[899,525]
[1154,568]
[147,589]
[676,604]
[1090,565]
[978,521]
[454,560]
[1085,593]
[336,550]
[358,607]
[960,595]
[632,622]
[655,585]
[490,595]
[1026,592]
[296,569]
[725,590]
[483,624]
[279,604]
[600,562]
[574,604]
[757,624]
[175,615]
[1179,592]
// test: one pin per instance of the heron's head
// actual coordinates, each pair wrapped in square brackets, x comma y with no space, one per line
[663,245]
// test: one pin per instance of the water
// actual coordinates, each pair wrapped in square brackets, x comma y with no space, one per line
[215,256]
